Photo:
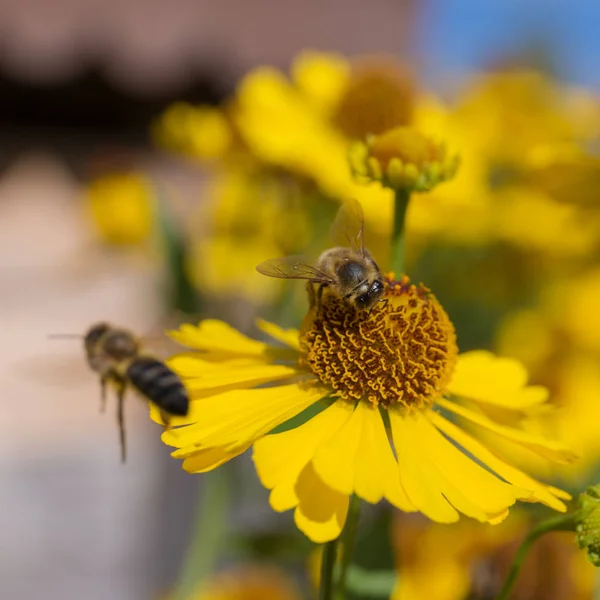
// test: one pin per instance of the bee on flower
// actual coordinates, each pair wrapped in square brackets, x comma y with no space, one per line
[386,408]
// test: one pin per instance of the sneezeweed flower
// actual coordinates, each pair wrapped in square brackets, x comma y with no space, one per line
[122,207]
[402,159]
[200,132]
[494,106]
[380,387]
[250,213]
[464,560]
[249,582]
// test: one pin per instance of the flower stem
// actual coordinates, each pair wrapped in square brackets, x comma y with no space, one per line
[563,523]
[210,523]
[401,200]
[327,568]
[348,543]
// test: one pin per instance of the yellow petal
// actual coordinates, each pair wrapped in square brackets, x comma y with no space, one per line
[237,418]
[376,469]
[209,377]
[550,449]
[538,491]
[470,488]
[417,476]
[481,376]
[186,364]
[321,511]
[359,459]
[289,337]
[334,460]
[280,457]
[208,459]
[211,334]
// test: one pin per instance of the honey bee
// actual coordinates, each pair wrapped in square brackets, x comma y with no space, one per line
[347,271]
[117,356]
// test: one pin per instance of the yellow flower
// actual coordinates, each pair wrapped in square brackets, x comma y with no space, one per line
[560,229]
[496,106]
[463,560]
[379,96]
[121,207]
[251,582]
[251,213]
[194,131]
[402,158]
[558,340]
[380,390]
[293,124]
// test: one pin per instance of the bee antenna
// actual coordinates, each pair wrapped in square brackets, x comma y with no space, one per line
[64,336]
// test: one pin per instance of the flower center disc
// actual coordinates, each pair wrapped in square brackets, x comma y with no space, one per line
[403,351]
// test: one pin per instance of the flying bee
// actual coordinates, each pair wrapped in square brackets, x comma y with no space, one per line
[117,356]
[347,271]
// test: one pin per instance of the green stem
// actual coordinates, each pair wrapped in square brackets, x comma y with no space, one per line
[210,523]
[348,543]
[563,523]
[327,568]
[401,200]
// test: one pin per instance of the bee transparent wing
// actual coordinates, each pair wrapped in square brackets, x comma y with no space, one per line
[292,267]
[348,227]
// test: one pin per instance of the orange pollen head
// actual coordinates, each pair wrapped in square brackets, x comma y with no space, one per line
[380,96]
[402,352]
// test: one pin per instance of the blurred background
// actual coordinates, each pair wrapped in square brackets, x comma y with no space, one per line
[85,90]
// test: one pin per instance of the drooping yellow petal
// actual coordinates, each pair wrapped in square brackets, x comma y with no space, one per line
[280,457]
[212,334]
[376,468]
[550,449]
[238,417]
[217,381]
[321,511]
[480,375]
[334,460]
[471,489]
[359,459]
[289,337]
[208,459]
[538,491]
[418,477]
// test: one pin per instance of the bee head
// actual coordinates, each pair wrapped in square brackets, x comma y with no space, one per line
[369,297]
[94,334]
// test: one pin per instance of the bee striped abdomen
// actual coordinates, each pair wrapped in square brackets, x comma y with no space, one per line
[154,380]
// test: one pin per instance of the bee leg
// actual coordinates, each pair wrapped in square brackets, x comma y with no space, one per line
[121,420]
[320,294]
[103,382]
[165,417]
[310,288]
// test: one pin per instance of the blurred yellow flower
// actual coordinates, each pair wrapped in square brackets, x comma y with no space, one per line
[122,207]
[194,131]
[250,214]
[507,182]
[535,221]
[394,365]
[463,560]
[559,341]
[250,582]
[516,112]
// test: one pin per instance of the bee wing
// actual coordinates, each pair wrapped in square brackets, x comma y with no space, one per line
[293,267]
[348,227]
